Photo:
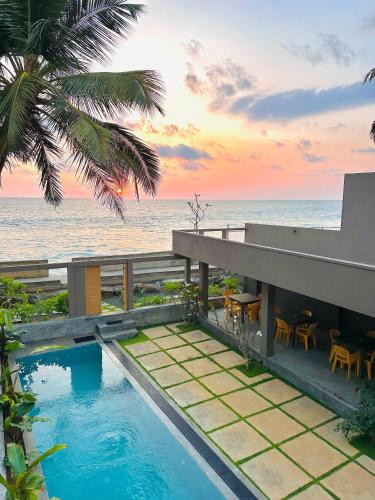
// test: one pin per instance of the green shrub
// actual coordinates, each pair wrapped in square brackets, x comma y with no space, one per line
[232,283]
[363,420]
[150,300]
[14,290]
[26,312]
[215,291]
[172,287]
[62,303]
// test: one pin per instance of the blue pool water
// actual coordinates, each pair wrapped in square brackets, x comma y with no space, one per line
[118,448]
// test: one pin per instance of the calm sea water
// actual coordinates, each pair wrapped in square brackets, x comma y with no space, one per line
[30,229]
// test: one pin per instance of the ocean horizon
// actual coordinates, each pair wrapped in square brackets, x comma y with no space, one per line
[81,227]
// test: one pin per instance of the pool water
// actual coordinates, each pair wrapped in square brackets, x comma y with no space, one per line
[118,448]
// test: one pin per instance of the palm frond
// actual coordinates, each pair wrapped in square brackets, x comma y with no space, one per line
[108,94]
[136,158]
[369,76]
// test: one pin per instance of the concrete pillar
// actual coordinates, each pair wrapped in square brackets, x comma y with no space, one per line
[76,291]
[203,287]
[187,270]
[267,320]
[127,277]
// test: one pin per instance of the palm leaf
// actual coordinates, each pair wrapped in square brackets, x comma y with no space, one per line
[113,93]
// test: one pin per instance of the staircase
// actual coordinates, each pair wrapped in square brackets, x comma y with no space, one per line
[116,329]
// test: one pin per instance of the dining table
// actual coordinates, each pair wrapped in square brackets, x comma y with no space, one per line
[294,319]
[243,299]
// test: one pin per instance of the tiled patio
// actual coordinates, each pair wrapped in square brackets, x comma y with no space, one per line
[282,440]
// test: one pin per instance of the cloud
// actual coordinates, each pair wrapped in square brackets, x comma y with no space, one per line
[171,130]
[224,83]
[193,47]
[193,166]
[182,151]
[326,171]
[278,144]
[276,167]
[338,126]
[330,48]
[311,158]
[303,144]
[368,150]
[255,156]
[298,103]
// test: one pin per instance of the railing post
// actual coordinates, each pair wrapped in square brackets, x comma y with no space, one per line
[187,270]
[267,320]
[76,291]
[201,232]
[203,287]
[127,279]
[225,234]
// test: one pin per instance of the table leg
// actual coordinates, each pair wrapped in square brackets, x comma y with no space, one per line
[294,336]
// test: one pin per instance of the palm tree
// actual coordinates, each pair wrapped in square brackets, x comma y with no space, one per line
[51,105]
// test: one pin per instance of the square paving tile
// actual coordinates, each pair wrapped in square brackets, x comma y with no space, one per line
[351,482]
[276,391]
[211,414]
[156,332]
[327,431]
[314,492]
[189,393]
[246,402]
[228,359]
[211,346]
[367,462]
[156,360]
[184,353]
[313,454]
[174,327]
[250,380]
[308,412]
[200,367]
[195,336]
[171,375]
[169,342]
[142,348]
[239,441]
[274,474]
[276,425]
[221,383]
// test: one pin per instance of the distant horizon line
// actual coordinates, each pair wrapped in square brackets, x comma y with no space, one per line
[173,199]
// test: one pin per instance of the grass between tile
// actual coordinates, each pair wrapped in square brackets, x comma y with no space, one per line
[257,368]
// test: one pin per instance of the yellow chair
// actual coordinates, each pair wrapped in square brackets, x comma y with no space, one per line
[307,312]
[333,334]
[278,310]
[283,330]
[369,362]
[253,311]
[305,332]
[370,334]
[228,303]
[343,356]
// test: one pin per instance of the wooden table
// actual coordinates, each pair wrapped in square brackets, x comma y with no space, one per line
[295,319]
[243,299]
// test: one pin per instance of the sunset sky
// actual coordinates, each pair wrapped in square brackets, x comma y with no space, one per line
[264,97]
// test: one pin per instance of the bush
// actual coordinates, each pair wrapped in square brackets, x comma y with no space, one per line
[172,287]
[150,300]
[231,283]
[363,420]
[215,291]
[15,291]
[62,303]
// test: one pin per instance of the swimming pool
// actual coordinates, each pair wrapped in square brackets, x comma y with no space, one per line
[118,447]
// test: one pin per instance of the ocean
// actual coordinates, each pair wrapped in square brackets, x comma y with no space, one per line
[30,229]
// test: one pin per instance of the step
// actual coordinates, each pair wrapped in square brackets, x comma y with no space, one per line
[115,325]
[119,335]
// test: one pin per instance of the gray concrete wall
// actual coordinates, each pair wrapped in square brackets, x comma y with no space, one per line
[337,282]
[85,325]
[356,239]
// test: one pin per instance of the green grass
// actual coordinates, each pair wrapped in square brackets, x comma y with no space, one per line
[255,368]
[364,445]
[141,337]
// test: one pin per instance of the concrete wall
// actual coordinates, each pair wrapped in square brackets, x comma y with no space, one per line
[337,282]
[85,325]
[356,239]
[37,273]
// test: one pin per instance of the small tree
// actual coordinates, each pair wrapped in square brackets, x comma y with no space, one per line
[246,334]
[198,211]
